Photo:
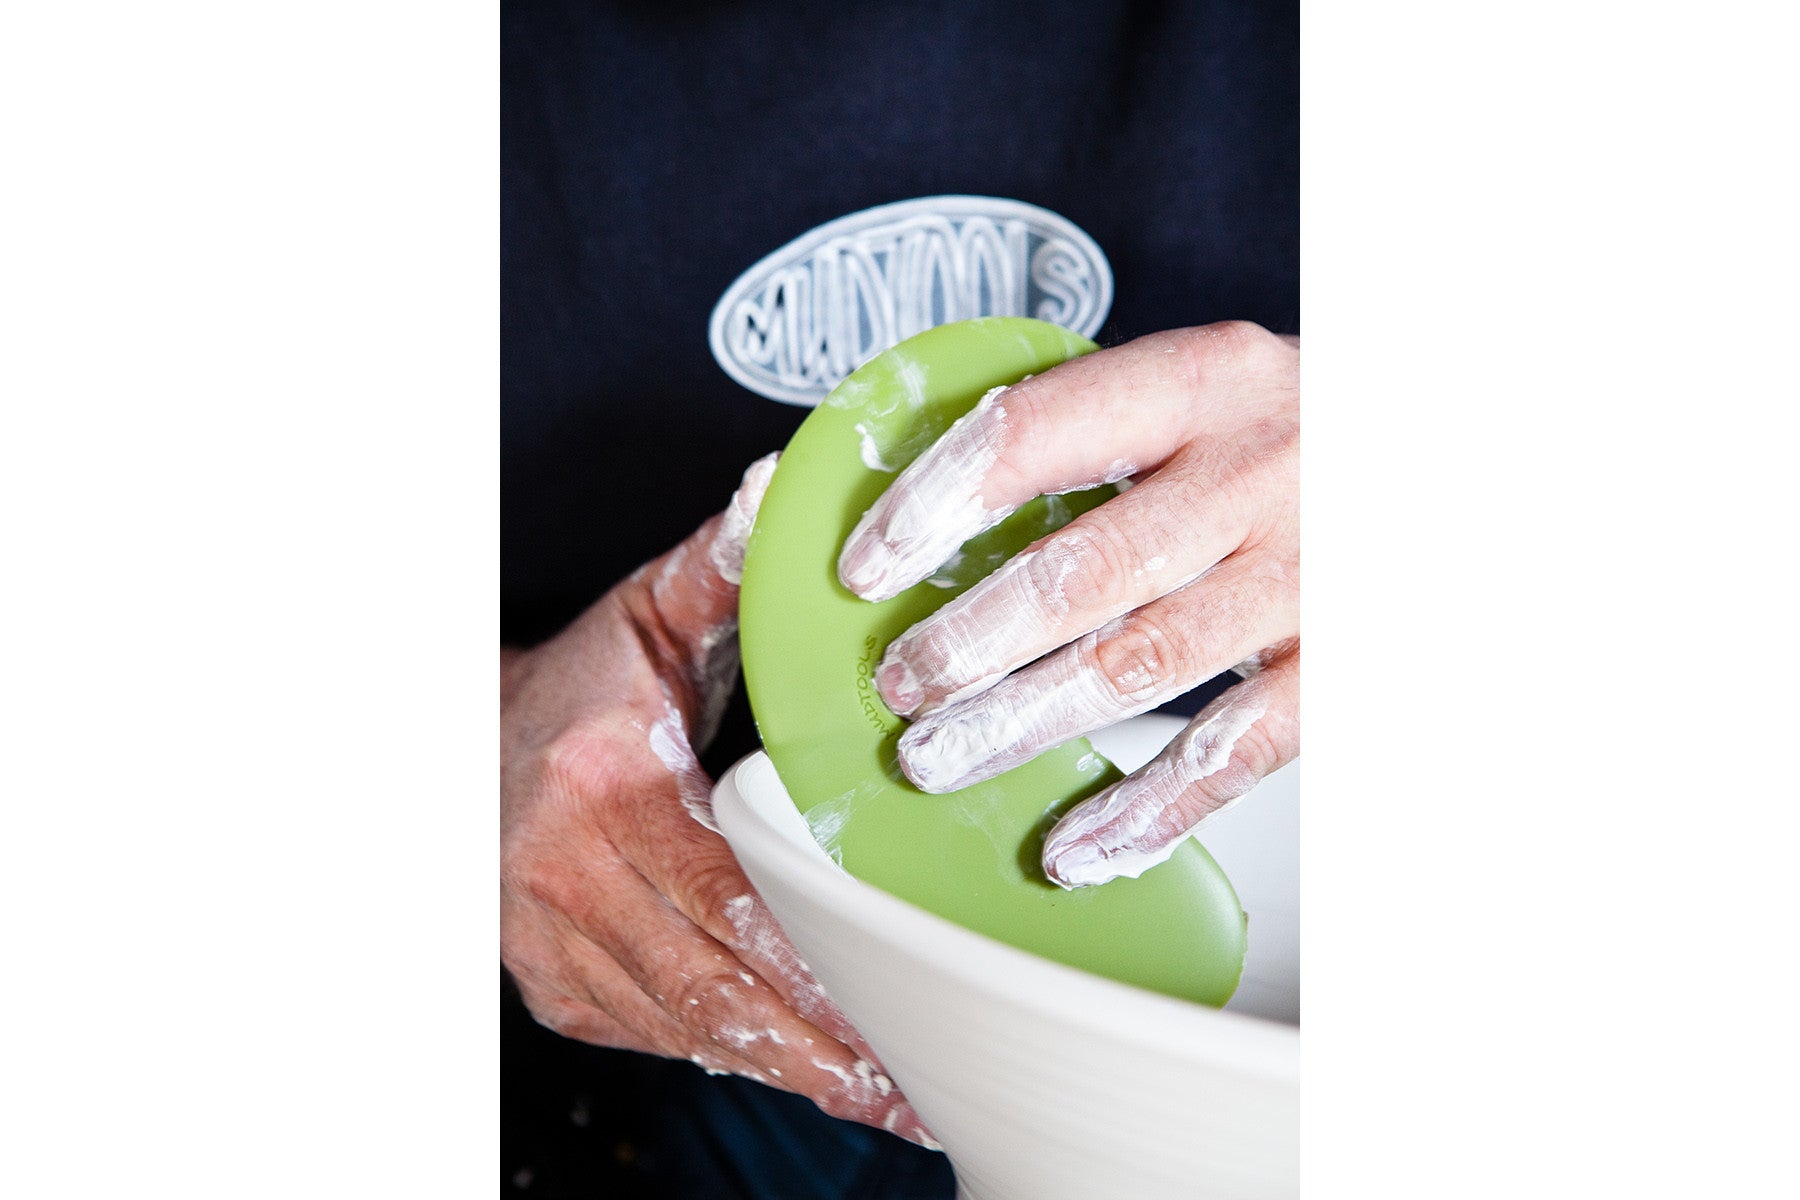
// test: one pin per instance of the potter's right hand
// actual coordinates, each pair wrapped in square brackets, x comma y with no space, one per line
[625,919]
[1193,571]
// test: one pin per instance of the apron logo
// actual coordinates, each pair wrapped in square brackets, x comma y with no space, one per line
[797,322]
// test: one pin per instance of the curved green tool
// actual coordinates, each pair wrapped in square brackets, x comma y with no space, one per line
[810,648]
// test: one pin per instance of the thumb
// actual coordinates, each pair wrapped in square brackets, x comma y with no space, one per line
[693,592]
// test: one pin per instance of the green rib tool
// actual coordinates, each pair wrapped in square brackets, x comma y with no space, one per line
[810,648]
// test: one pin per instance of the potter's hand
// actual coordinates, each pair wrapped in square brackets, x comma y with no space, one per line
[1193,570]
[625,919]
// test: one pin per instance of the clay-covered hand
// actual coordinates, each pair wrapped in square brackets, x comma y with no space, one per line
[1193,569]
[625,919]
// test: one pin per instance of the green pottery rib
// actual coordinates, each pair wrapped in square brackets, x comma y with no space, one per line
[810,648]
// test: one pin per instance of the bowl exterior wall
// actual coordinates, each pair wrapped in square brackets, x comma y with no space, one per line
[1032,1095]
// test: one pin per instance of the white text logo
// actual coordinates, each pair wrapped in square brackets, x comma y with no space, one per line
[797,322]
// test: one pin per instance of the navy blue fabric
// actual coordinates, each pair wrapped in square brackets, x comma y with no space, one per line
[652,152]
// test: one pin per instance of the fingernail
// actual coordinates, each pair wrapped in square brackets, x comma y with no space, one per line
[1112,835]
[942,756]
[1094,842]
[1077,865]
[898,686]
[866,563]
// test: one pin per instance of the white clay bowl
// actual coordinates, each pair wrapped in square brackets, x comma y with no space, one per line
[1043,1081]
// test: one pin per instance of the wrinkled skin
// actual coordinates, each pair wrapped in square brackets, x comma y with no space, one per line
[1194,569]
[625,919]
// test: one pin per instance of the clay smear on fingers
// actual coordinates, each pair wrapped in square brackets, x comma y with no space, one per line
[727,551]
[1124,831]
[971,643]
[745,1027]
[1009,619]
[759,938]
[1044,705]
[668,738]
[931,509]
[716,666]
[865,1091]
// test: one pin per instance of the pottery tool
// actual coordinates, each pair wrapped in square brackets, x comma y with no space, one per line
[810,649]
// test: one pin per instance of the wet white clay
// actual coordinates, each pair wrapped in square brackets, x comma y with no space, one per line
[1045,705]
[1124,831]
[871,450]
[760,939]
[971,642]
[668,739]
[727,552]
[931,509]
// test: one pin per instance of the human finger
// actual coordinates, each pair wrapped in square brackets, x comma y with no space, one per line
[584,924]
[684,856]
[571,986]
[701,985]
[693,868]
[687,608]
[1092,420]
[572,1018]
[1126,667]
[695,585]
[1242,736]
[1135,548]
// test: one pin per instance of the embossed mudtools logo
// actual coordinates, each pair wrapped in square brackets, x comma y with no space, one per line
[797,322]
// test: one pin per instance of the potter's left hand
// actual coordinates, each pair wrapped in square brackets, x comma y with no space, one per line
[1191,571]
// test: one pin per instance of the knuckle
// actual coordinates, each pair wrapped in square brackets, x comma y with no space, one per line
[1012,428]
[1225,347]
[556,885]
[707,883]
[578,762]
[932,652]
[1138,659]
[1019,410]
[1239,340]
[705,1001]
[1251,758]
[1277,739]
[1267,743]
[1256,751]
[1160,794]
[1084,568]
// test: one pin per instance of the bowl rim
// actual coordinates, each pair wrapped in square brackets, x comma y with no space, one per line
[1248,1045]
